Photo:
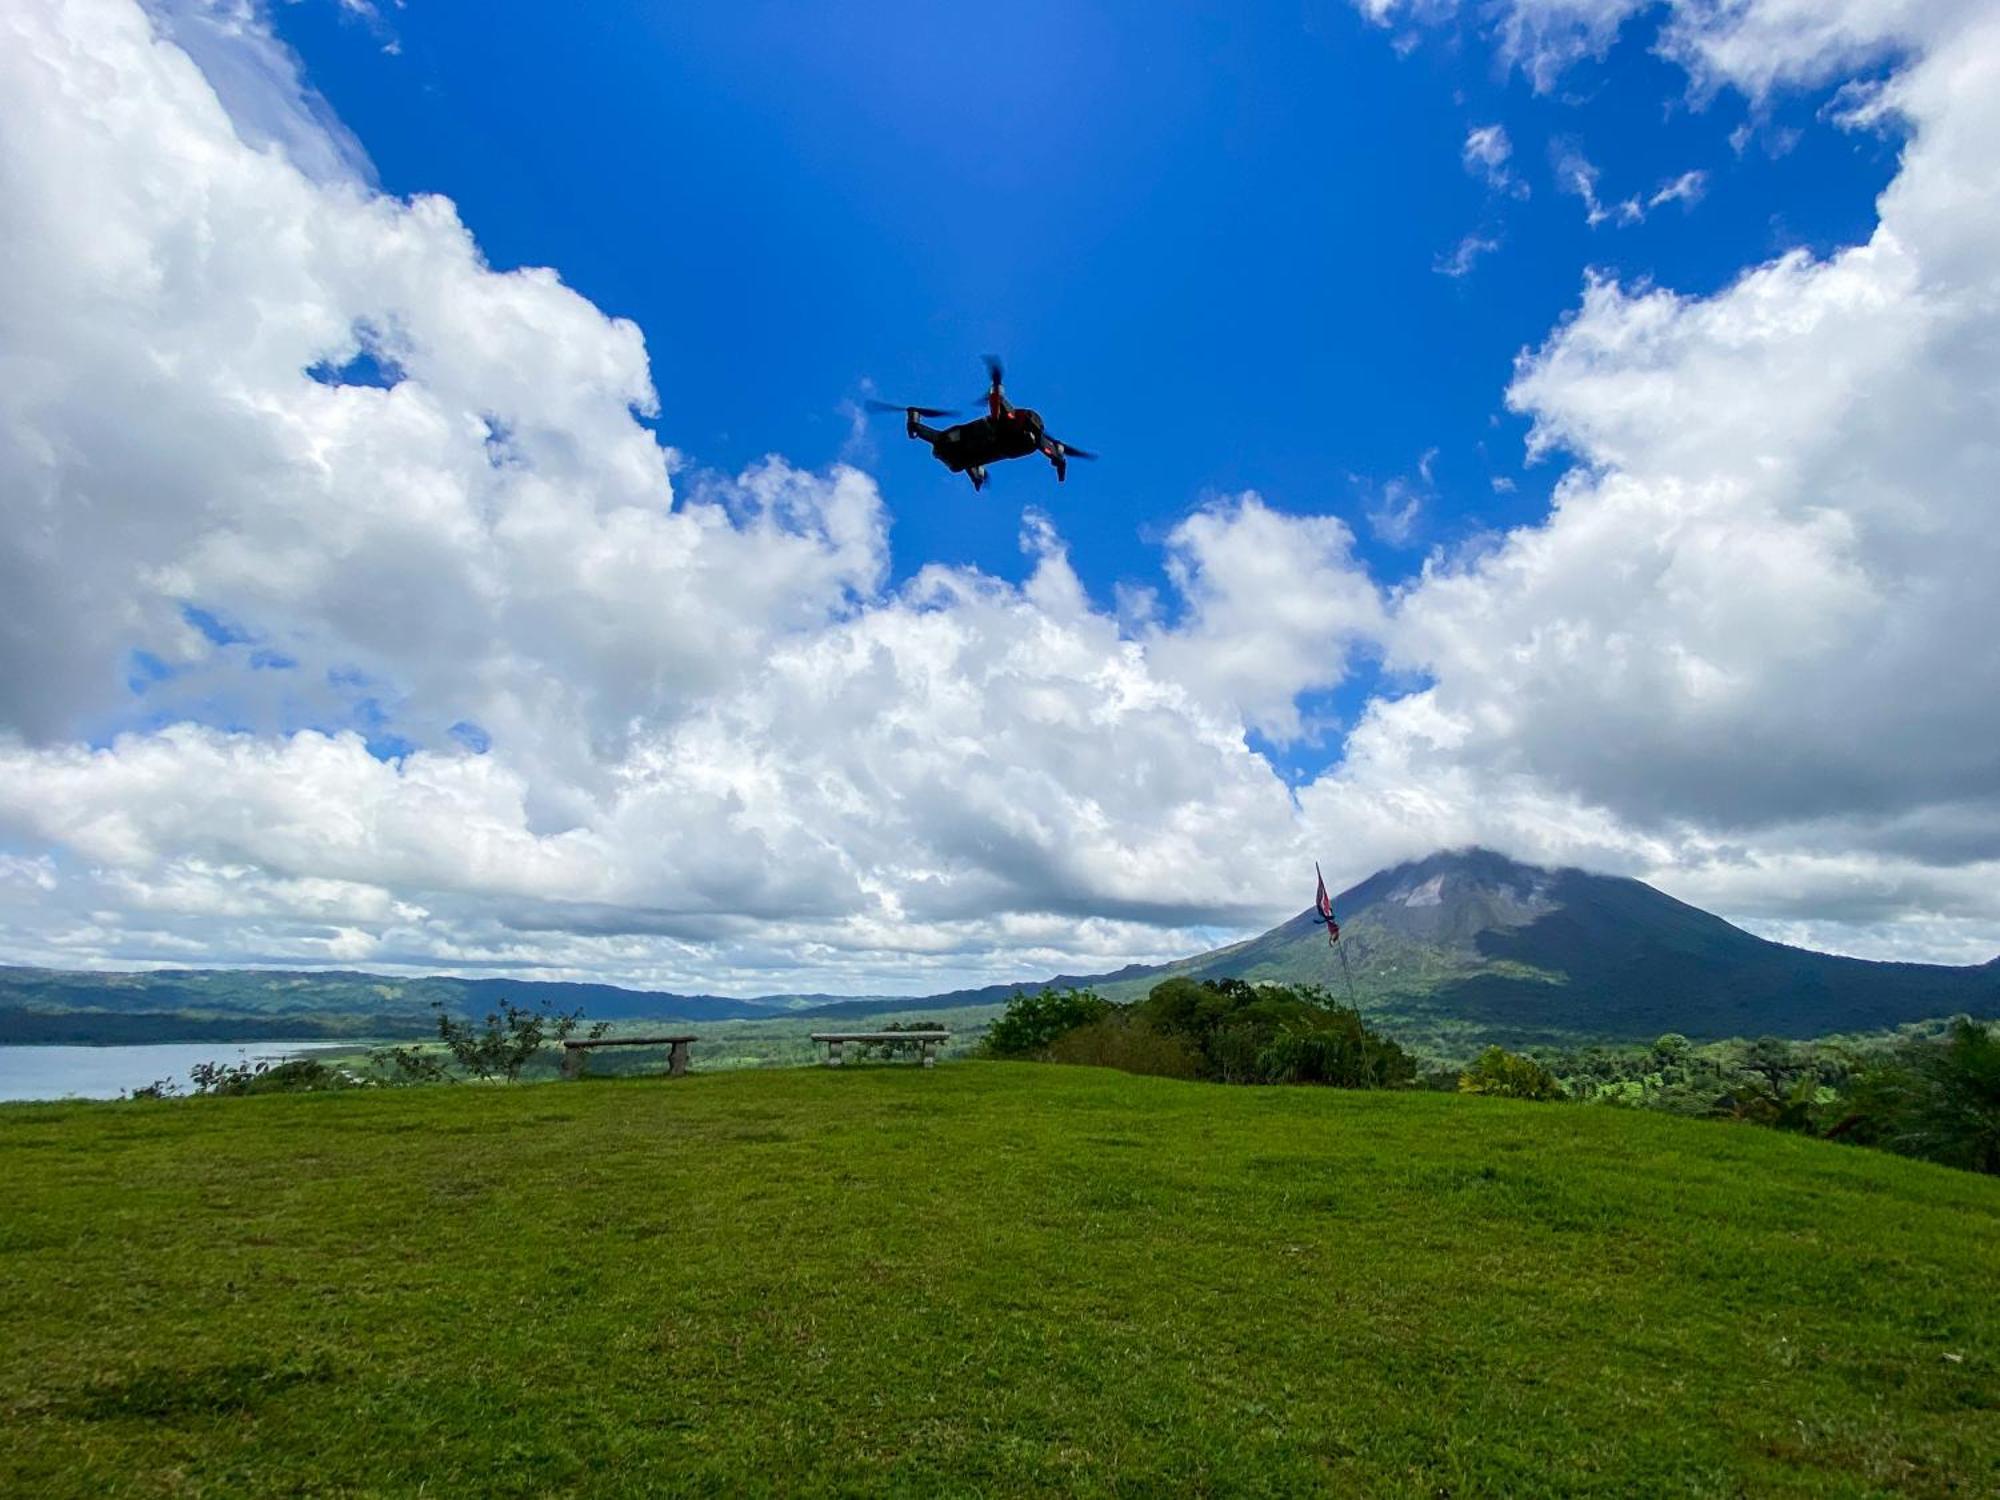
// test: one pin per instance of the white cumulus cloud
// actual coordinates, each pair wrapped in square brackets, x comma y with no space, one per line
[358,615]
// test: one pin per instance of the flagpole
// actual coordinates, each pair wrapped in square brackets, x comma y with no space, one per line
[1346,972]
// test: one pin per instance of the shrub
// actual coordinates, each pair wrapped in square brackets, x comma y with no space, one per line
[1032,1022]
[504,1043]
[299,1075]
[1118,1041]
[1273,1033]
[1338,1051]
[1509,1075]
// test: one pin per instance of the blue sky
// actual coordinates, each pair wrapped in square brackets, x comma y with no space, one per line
[429,661]
[1205,238]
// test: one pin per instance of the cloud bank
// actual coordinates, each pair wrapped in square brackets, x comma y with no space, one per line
[360,616]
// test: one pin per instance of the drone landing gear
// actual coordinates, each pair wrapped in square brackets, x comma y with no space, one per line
[1053,452]
[977,474]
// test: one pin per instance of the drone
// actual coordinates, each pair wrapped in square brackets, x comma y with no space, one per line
[1006,431]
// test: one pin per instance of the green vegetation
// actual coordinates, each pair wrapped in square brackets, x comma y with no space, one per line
[167,1005]
[1031,1023]
[498,1046]
[1937,1100]
[1930,1090]
[988,1278]
[1507,1075]
[1219,1029]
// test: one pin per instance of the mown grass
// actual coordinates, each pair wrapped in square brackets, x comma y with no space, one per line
[985,1279]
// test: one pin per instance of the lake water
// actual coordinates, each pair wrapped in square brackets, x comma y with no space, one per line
[106,1072]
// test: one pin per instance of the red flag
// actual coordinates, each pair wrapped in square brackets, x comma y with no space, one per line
[1325,904]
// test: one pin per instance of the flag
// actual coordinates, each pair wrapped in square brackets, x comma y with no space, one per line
[1324,903]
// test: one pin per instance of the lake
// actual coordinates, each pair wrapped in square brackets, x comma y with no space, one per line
[106,1072]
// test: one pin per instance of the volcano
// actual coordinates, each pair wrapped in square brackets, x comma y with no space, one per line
[1472,941]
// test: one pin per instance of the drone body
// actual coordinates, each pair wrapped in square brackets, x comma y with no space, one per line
[1006,431]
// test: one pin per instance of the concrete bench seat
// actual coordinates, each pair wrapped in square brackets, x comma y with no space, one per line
[677,1051]
[929,1041]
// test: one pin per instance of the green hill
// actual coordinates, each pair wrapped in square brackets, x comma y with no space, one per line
[62,1005]
[987,1279]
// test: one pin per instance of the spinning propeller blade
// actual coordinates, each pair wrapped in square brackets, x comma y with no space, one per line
[993,370]
[922,411]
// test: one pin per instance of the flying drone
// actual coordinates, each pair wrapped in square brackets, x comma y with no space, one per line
[1006,431]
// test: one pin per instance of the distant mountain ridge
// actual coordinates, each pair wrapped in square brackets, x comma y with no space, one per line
[50,1005]
[1466,942]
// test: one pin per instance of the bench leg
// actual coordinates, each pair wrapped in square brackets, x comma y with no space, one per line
[833,1054]
[572,1063]
[930,1054]
[677,1060]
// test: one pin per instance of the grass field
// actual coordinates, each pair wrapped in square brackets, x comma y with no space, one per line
[983,1279]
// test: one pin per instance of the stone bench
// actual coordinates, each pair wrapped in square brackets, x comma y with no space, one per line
[677,1051]
[928,1039]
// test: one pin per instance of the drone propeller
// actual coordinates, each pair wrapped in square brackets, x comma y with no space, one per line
[994,372]
[1069,452]
[922,411]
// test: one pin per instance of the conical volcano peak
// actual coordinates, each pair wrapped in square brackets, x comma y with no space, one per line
[1436,878]
[1480,945]
[1450,897]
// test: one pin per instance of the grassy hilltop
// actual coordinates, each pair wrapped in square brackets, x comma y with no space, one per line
[983,1279]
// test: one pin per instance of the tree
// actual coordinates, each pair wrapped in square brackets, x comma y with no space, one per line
[1508,1075]
[1275,1033]
[1939,1100]
[500,1046]
[1032,1022]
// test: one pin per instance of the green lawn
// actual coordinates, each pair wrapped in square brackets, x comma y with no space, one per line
[983,1279]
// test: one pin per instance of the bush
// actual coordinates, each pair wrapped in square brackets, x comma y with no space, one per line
[1032,1022]
[1338,1051]
[299,1075]
[1219,1029]
[1508,1075]
[498,1047]
[1118,1041]
[1274,1033]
